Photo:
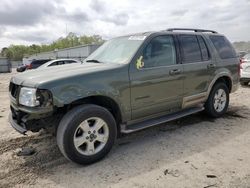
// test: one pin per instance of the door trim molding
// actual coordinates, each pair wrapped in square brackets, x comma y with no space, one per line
[194,100]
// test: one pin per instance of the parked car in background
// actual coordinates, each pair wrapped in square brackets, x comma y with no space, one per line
[242,54]
[59,62]
[21,68]
[245,70]
[33,65]
[128,84]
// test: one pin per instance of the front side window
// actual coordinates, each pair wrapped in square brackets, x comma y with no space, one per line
[223,47]
[60,62]
[53,64]
[159,52]
[190,49]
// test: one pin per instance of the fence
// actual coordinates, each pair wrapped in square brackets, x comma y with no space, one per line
[5,65]
[77,52]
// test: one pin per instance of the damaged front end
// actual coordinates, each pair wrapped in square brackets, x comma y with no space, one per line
[25,116]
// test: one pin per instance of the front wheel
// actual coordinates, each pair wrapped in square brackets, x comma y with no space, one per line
[218,100]
[86,134]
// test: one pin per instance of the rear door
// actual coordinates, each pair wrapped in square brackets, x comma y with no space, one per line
[198,67]
[156,78]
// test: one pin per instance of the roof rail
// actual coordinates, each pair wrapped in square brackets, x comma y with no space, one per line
[190,29]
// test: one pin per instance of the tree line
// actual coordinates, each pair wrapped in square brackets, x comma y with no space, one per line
[242,46]
[17,52]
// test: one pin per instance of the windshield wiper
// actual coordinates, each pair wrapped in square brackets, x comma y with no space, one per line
[93,60]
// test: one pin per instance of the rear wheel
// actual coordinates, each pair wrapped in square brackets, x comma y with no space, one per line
[86,134]
[218,100]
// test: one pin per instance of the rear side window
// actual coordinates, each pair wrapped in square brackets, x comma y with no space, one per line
[223,47]
[69,62]
[204,50]
[190,48]
[60,62]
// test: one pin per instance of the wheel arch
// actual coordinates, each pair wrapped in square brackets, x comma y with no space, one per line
[223,77]
[104,101]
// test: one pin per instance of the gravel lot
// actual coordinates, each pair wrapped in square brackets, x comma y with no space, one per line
[195,151]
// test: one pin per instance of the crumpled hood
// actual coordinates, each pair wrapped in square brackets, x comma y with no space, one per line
[33,78]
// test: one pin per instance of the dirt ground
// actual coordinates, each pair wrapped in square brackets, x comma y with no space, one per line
[195,151]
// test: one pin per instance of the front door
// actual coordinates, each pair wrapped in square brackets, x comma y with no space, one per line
[156,79]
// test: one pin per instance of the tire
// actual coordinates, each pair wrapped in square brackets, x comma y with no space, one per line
[74,129]
[218,110]
[244,83]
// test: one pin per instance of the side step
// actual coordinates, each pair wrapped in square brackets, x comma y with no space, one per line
[155,121]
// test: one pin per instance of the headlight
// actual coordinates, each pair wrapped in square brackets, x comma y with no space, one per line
[27,97]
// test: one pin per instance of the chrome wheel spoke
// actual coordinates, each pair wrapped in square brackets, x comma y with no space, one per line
[84,126]
[90,147]
[78,141]
[98,124]
[216,105]
[220,91]
[223,98]
[101,138]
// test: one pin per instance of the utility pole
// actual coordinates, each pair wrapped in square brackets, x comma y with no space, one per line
[66,29]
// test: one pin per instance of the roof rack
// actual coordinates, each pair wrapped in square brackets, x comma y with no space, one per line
[190,29]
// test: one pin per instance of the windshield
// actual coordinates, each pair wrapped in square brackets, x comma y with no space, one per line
[118,50]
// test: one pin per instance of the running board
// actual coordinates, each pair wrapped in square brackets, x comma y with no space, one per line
[156,121]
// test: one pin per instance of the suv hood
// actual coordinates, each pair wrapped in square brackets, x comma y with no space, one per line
[33,78]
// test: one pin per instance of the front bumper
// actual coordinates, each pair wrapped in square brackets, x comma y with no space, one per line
[19,128]
[24,119]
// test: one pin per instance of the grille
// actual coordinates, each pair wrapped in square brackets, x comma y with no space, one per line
[13,89]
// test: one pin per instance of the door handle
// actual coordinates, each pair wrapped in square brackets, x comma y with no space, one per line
[211,66]
[175,71]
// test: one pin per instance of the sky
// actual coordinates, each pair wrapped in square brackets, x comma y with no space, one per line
[43,21]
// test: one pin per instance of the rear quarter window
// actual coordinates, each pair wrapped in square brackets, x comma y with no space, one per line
[223,47]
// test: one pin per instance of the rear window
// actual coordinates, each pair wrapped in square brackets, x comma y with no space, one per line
[223,47]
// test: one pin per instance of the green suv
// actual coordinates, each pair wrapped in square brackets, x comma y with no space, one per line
[128,84]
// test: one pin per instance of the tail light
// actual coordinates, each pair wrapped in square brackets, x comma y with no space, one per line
[242,60]
[240,66]
[29,66]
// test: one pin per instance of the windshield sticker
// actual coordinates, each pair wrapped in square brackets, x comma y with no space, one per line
[137,37]
[139,63]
